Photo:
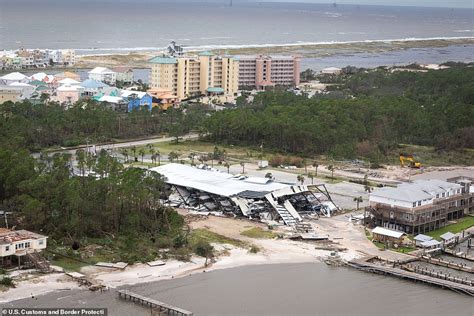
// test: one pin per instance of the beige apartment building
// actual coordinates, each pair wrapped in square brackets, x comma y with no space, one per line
[261,71]
[190,76]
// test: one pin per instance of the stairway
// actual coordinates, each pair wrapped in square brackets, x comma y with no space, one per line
[38,261]
[285,215]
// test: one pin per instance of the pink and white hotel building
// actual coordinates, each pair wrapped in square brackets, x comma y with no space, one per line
[263,71]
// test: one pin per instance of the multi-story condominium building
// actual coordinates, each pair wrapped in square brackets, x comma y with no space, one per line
[188,76]
[421,206]
[103,74]
[266,71]
[69,56]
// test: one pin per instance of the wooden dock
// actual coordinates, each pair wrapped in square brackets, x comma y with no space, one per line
[363,264]
[151,303]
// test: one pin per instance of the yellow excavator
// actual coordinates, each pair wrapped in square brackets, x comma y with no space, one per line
[410,161]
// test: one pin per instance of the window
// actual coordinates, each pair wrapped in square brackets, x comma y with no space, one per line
[419,203]
[442,194]
[7,248]
[437,196]
[414,204]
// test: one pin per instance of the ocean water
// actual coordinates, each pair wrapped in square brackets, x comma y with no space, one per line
[283,289]
[109,26]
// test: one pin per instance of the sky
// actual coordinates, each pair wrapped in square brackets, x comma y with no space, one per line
[420,3]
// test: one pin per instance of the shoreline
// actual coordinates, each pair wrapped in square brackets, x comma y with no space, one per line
[138,58]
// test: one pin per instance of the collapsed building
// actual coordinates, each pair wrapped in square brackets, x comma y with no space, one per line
[238,195]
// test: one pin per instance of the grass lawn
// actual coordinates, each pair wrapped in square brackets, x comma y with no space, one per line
[462,224]
[257,232]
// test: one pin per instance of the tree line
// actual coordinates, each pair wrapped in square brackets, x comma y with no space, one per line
[39,126]
[379,110]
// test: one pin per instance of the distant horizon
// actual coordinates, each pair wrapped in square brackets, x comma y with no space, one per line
[455,4]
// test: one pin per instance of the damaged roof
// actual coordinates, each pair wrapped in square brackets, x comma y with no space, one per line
[215,182]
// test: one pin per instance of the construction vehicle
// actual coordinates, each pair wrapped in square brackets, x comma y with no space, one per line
[410,161]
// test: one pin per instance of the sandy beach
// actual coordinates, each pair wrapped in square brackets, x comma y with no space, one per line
[308,50]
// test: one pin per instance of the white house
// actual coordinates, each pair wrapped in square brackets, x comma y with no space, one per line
[103,74]
[13,77]
[448,238]
[124,74]
[331,71]
[18,243]
[420,239]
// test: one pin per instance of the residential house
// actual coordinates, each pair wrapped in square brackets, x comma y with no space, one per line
[420,206]
[26,89]
[69,81]
[103,74]
[15,244]
[137,99]
[448,238]
[8,93]
[55,57]
[27,58]
[385,235]
[431,245]
[420,238]
[69,93]
[331,71]
[13,77]
[115,103]
[164,98]
[68,57]
[123,74]
[67,74]
[93,87]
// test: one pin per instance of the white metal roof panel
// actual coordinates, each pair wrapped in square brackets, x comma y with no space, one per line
[214,182]
[387,232]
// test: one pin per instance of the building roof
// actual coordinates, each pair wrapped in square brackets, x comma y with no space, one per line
[215,90]
[10,236]
[13,76]
[122,69]
[206,53]
[93,84]
[447,236]
[387,232]
[415,191]
[423,238]
[430,243]
[214,182]
[38,83]
[101,71]
[19,84]
[39,76]
[42,88]
[163,60]
[128,93]
[69,87]
[68,81]
[111,99]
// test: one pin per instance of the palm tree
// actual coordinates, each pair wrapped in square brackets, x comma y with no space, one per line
[142,153]
[331,168]
[311,176]
[124,153]
[300,178]
[192,156]
[134,150]
[315,165]
[173,155]
[358,200]
[227,165]
[305,163]
[157,154]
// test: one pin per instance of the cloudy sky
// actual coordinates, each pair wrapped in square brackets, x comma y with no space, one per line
[425,3]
